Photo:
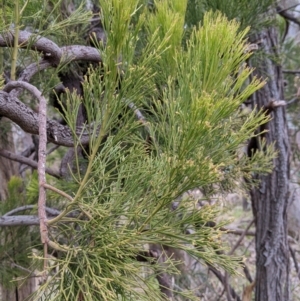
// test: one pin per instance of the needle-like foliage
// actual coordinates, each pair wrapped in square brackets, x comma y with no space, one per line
[163,114]
[190,96]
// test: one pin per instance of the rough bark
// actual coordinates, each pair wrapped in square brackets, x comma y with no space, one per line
[270,199]
[7,167]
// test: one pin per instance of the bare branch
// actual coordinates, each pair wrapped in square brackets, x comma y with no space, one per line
[287,15]
[62,193]
[19,220]
[12,108]
[241,238]
[49,49]
[23,220]
[30,71]
[49,210]
[80,53]
[221,278]
[52,149]
[238,232]
[19,84]
[293,100]
[294,260]
[280,9]
[31,273]
[291,71]
[27,161]
[41,168]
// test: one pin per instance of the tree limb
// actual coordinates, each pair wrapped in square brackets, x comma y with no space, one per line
[287,15]
[241,238]
[49,210]
[41,167]
[49,49]
[294,260]
[27,161]
[291,71]
[222,279]
[15,110]
[19,220]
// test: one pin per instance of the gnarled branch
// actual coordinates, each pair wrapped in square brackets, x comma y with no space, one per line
[12,108]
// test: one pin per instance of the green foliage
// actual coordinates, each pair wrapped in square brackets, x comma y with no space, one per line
[245,12]
[189,88]
[19,241]
[129,186]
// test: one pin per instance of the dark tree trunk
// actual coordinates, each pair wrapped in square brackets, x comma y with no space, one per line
[270,198]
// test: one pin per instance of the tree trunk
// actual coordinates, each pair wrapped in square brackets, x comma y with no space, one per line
[270,198]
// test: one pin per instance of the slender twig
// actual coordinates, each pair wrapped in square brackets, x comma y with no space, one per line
[28,151]
[241,238]
[291,71]
[93,154]
[288,16]
[237,231]
[49,210]
[247,273]
[295,261]
[293,100]
[19,220]
[221,295]
[52,149]
[31,273]
[280,9]
[42,175]
[30,71]
[227,286]
[219,275]
[42,123]
[62,193]
[27,161]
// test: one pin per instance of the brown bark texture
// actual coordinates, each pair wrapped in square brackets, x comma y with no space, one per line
[270,198]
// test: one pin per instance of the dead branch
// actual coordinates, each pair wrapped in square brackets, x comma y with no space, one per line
[30,71]
[291,71]
[52,149]
[51,211]
[47,47]
[156,255]
[51,51]
[241,238]
[247,273]
[295,261]
[41,167]
[19,220]
[27,161]
[287,15]
[80,53]
[238,232]
[221,278]
[15,110]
